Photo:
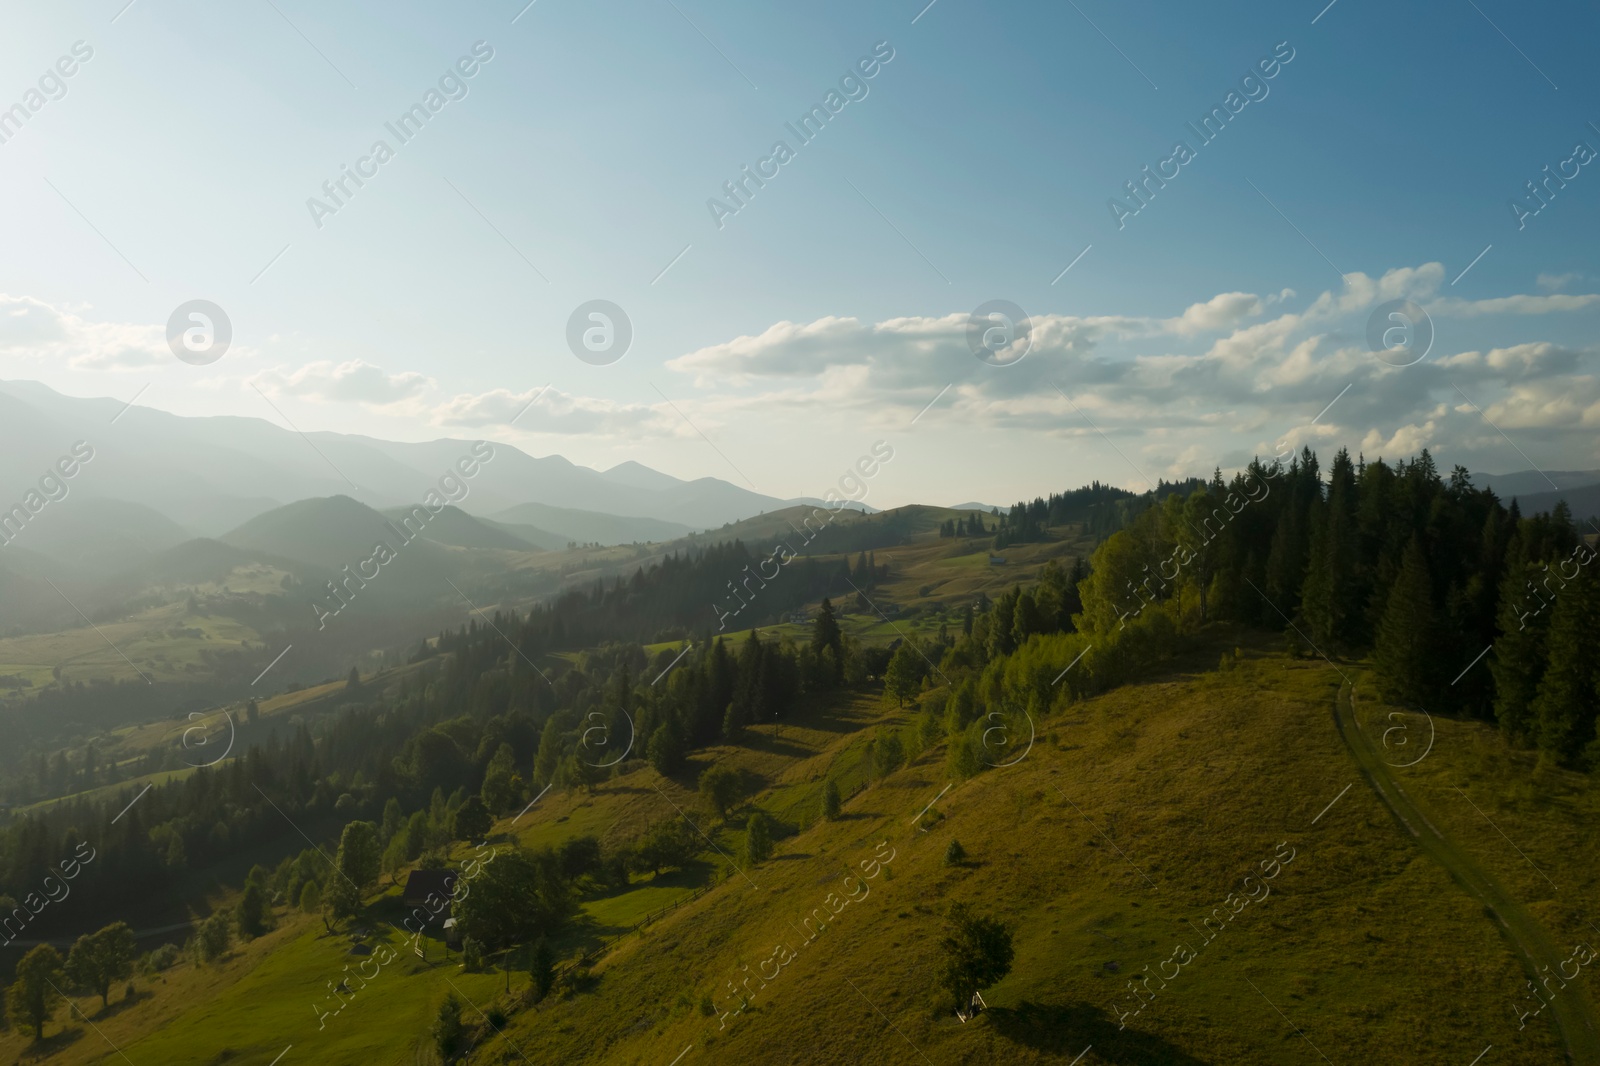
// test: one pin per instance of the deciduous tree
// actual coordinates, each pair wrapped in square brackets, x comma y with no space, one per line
[722,789]
[36,992]
[99,959]
[976,952]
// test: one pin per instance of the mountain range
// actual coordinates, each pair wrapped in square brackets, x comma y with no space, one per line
[210,475]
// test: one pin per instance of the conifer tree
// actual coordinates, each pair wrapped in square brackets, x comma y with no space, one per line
[1519,652]
[1407,652]
[1564,710]
[825,633]
[1331,597]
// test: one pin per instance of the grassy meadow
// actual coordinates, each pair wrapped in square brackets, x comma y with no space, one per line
[1132,819]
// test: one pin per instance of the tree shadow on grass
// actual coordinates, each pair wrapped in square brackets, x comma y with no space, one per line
[695,875]
[755,740]
[50,1045]
[118,1006]
[1068,1028]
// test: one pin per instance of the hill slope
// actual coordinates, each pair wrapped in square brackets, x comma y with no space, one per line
[1126,827]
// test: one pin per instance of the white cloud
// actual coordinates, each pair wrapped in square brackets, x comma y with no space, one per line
[1556,282]
[36,331]
[551,411]
[1514,305]
[1220,312]
[354,381]
[1171,390]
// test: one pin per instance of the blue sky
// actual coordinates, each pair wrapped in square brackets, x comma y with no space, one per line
[977,166]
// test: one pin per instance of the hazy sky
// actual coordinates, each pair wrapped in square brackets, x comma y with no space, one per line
[1377,162]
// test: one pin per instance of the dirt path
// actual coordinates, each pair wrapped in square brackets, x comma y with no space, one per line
[1571,1009]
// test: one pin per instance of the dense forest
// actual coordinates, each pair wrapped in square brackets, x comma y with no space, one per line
[1420,573]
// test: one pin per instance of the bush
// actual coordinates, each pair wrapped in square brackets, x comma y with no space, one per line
[162,958]
[472,955]
[955,854]
[213,937]
[497,1018]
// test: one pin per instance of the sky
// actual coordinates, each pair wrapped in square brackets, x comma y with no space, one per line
[1368,154]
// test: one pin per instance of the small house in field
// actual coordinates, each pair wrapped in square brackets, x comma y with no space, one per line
[422,884]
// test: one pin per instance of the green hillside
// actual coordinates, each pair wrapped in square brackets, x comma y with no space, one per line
[1092,848]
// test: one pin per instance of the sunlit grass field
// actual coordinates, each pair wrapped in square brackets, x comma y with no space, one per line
[1136,814]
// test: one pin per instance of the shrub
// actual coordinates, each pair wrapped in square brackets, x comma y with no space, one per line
[213,937]
[162,958]
[955,854]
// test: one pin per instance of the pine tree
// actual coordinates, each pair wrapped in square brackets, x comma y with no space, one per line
[1407,652]
[1519,652]
[1564,710]
[825,633]
[542,967]
[549,757]
[1026,619]
[1332,595]
[1002,640]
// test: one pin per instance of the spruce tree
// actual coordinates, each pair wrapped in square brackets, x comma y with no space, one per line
[1332,595]
[1407,652]
[1519,652]
[825,633]
[1564,710]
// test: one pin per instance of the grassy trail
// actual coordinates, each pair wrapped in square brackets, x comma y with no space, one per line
[1571,1008]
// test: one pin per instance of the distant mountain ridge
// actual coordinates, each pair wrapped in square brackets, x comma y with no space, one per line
[1532,482]
[1531,489]
[1584,502]
[211,475]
